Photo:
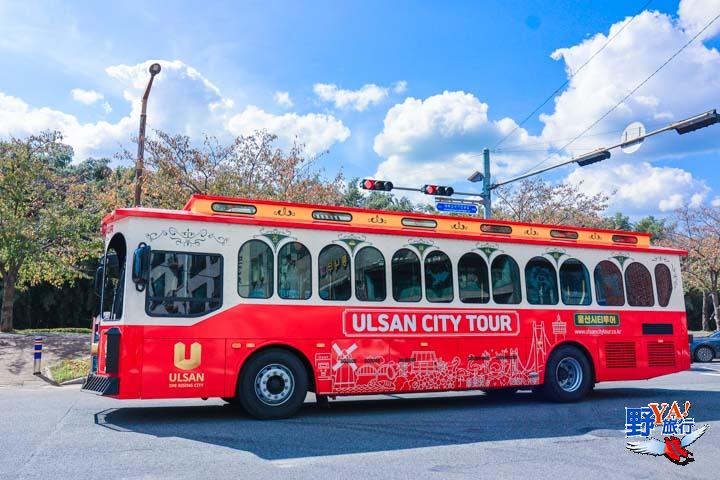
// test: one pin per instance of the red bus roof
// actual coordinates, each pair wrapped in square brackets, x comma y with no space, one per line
[299,215]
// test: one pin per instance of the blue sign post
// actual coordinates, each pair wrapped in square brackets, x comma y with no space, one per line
[467,208]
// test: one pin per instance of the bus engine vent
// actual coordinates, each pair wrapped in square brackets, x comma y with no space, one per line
[661,354]
[620,355]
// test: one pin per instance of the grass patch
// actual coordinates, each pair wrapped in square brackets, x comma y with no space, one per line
[70,369]
[34,331]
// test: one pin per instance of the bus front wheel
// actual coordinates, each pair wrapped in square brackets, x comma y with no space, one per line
[273,384]
[568,375]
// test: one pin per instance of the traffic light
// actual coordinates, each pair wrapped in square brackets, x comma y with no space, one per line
[437,190]
[379,185]
[696,123]
[592,157]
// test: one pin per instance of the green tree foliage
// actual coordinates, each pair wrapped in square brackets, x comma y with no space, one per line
[47,218]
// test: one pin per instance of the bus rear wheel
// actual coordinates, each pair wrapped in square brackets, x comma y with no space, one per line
[273,384]
[568,375]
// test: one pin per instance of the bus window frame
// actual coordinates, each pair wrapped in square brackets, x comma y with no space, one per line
[182,299]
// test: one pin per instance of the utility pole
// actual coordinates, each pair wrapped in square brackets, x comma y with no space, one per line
[139,162]
[486,195]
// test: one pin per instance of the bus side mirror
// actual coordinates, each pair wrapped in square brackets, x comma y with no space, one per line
[141,266]
[97,281]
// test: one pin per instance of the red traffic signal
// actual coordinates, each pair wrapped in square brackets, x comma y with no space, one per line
[380,185]
[437,190]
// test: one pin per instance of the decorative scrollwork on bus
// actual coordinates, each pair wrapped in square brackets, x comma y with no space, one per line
[377,219]
[556,254]
[488,249]
[187,238]
[531,232]
[275,236]
[421,245]
[459,226]
[352,241]
[284,212]
[621,258]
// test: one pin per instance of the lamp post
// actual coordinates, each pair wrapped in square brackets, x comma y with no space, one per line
[139,162]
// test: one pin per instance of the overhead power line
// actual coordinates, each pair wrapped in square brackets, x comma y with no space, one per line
[570,77]
[632,92]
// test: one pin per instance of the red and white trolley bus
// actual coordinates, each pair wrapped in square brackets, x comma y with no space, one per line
[260,302]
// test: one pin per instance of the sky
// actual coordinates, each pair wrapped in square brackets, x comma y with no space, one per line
[407,91]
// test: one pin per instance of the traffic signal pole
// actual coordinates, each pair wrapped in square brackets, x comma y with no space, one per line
[486,193]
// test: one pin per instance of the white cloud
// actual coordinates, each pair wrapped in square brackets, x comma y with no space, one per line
[400,87]
[715,202]
[359,100]
[688,85]
[441,138]
[88,97]
[641,189]
[19,119]
[283,99]
[694,14]
[317,131]
[182,101]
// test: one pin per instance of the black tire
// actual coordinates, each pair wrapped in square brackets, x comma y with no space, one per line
[704,354]
[561,385]
[501,393]
[282,384]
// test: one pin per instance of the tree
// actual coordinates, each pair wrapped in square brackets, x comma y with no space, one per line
[658,228]
[250,166]
[698,232]
[46,222]
[618,222]
[537,201]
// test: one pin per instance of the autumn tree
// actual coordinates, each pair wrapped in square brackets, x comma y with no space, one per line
[698,232]
[47,225]
[537,201]
[250,166]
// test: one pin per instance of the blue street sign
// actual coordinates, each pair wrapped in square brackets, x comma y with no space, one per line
[469,208]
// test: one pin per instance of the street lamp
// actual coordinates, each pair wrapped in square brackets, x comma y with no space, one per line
[154,70]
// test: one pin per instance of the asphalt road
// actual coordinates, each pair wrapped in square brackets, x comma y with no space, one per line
[50,432]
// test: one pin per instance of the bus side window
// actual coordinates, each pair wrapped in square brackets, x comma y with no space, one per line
[663,284]
[438,277]
[183,284]
[575,283]
[406,276]
[334,273]
[638,283]
[370,284]
[505,275]
[609,285]
[255,270]
[473,279]
[541,282]
[294,272]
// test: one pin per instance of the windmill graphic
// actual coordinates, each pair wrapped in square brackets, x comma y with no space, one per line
[344,368]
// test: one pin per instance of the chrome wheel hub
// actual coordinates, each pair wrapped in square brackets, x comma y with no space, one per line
[274,384]
[569,374]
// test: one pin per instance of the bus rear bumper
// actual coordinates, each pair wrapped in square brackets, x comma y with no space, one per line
[101,385]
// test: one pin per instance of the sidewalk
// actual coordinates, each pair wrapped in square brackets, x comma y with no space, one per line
[16,355]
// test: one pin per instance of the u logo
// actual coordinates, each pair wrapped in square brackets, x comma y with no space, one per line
[187,363]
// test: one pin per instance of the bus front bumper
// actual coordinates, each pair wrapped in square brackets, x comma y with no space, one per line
[101,385]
